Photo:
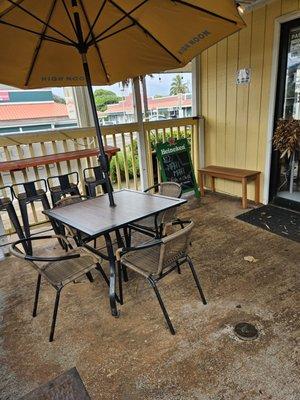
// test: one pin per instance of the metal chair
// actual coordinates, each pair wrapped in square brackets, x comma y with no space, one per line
[6,204]
[30,194]
[154,225]
[157,259]
[98,249]
[57,270]
[94,177]
[61,185]
[72,233]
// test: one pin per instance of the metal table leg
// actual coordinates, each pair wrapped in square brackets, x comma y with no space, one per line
[122,244]
[112,276]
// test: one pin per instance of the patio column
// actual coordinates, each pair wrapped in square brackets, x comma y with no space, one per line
[141,138]
[197,111]
[77,99]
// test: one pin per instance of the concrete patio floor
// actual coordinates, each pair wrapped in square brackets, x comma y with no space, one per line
[134,356]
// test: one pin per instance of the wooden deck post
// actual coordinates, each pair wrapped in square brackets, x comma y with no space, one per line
[141,139]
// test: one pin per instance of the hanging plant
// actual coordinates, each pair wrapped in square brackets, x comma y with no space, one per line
[286,137]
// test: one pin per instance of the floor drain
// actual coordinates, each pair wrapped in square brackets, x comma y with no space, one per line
[246,331]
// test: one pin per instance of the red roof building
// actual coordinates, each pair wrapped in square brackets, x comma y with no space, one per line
[154,103]
[158,108]
[32,111]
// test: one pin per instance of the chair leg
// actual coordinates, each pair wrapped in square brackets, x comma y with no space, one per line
[57,228]
[89,276]
[127,235]
[37,292]
[120,277]
[15,221]
[100,269]
[54,316]
[162,306]
[196,280]
[178,268]
[125,274]
[75,192]
[52,195]
[26,227]
[92,191]
[121,244]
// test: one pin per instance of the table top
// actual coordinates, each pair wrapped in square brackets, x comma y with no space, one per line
[95,217]
[15,165]
[241,173]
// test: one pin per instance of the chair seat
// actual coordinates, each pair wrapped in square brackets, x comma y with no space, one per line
[144,261]
[4,201]
[24,196]
[94,180]
[60,273]
[59,189]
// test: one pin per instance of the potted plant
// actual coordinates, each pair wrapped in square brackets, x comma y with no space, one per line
[286,141]
[286,137]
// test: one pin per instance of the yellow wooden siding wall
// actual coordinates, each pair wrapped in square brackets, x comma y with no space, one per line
[236,116]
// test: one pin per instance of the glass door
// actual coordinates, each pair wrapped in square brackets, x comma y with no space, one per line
[285,170]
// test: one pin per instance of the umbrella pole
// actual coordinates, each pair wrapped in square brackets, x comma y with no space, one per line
[102,156]
[82,48]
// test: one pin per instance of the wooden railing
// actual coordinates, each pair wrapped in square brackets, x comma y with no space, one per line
[124,165]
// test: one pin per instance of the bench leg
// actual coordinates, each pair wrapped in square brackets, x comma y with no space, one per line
[257,188]
[213,186]
[244,193]
[201,183]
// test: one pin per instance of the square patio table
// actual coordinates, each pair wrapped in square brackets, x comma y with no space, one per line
[94,217]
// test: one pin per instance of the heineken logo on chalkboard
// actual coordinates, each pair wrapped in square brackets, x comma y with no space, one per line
[176,164]
[172,150]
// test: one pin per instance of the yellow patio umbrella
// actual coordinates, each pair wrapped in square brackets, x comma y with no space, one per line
[79,42]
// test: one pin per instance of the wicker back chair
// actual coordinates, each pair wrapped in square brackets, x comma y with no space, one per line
[155,225]
[158,258]
[169,189]
[57,270]
[65,201]
[71,232]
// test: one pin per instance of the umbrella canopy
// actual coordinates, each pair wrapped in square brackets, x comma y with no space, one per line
[122,38]
[80,42]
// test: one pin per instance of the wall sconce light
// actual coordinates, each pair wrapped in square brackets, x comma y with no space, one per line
[240,9]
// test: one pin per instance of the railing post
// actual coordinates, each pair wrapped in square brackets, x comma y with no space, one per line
[141,139]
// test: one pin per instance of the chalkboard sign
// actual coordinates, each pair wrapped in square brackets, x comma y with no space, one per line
[176,165]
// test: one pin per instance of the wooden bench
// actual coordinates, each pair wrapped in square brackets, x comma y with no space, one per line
[232,174]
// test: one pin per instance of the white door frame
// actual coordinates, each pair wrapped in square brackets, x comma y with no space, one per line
[277,29]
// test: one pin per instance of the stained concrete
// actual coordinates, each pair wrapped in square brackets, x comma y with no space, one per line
[134,356]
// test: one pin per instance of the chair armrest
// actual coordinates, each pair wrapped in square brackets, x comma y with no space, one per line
[51,259]
[151,187]
[181,222]
[13,249]
[124,250]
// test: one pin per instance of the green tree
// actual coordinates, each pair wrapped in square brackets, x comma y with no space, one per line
[178,86]
[59,99]
[104,97]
